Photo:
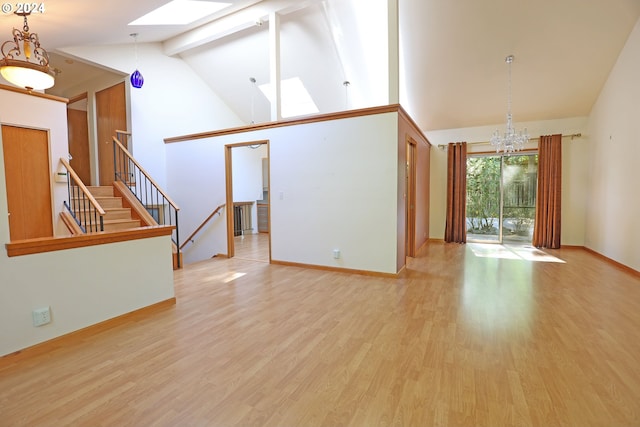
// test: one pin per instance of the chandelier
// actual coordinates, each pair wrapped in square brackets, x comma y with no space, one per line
[511,140]
[24,62]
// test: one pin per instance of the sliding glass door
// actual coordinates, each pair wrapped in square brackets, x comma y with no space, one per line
[501,197]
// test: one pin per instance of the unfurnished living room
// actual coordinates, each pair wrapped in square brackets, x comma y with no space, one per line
[319,213]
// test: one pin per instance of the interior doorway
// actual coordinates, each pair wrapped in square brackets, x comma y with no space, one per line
[501,197]
[27,175]
[111,115]
[78,129]
[410,225]
[247,200]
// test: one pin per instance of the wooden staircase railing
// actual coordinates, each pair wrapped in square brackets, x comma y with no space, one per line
[157,203]
[81,204]
[201,226]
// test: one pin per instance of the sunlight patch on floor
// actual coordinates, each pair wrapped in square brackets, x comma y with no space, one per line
[527,253]
[226,277]
[232,276]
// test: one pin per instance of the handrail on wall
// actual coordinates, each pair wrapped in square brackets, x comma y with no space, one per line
[201,226]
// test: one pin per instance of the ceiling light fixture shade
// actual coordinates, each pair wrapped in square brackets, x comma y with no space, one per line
[136,79]
[511,140]
[24,62]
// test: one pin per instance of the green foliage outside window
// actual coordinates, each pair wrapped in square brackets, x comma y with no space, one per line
[483,194]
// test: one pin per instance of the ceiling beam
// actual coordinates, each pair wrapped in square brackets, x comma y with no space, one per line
[256,13]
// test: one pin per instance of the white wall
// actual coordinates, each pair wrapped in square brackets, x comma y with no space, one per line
[174,100]
[45,114]
[612,225]
[82,286]
[333,186]
[574,171]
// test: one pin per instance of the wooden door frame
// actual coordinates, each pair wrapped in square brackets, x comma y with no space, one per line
[228,161]
[50,183]
[81,97]
[411,179]
[118,121]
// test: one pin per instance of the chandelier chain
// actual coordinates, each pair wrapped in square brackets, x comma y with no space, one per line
[509,60]
[511,140]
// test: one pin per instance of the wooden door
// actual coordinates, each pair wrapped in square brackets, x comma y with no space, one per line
[27,173]
[111,113]
[78,127]
[411,199]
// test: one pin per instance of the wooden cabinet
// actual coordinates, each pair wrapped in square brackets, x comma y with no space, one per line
[263,218]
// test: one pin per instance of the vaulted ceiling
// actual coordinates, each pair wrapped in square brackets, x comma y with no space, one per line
[452,72]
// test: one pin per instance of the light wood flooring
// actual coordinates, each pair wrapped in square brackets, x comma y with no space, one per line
[468,335]
[253,247]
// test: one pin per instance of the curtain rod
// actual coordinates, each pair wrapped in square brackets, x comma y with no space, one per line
[572,136]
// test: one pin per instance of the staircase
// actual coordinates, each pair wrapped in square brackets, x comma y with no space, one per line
[133,201]
[117,216]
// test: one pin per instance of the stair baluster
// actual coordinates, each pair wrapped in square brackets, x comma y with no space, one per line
[81,204]
[157,203]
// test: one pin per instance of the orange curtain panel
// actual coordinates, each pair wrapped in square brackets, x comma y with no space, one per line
[546,230]
[455,228]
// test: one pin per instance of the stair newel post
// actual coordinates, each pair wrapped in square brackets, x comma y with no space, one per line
[68,188]
[177,241]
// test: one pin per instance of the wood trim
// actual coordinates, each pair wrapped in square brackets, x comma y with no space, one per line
[270,125]
[50,244]
[87,332]
[249,143]
[228,176]
[84,189]
[122,147]
[607,259]
[77,98]
[337,269]
[411,158]
[130,201]
[413,124]
[71,224]
[36,94]
[424,245]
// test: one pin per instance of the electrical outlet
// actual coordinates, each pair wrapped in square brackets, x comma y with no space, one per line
[41,316]
[336,253]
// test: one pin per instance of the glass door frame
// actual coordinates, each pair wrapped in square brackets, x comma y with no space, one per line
[502,156]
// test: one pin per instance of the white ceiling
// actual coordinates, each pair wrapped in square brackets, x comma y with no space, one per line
[452,70]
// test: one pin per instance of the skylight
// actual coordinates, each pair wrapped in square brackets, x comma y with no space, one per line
[180,12]
[296,100]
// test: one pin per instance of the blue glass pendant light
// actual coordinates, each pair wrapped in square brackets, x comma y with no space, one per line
[136,78]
